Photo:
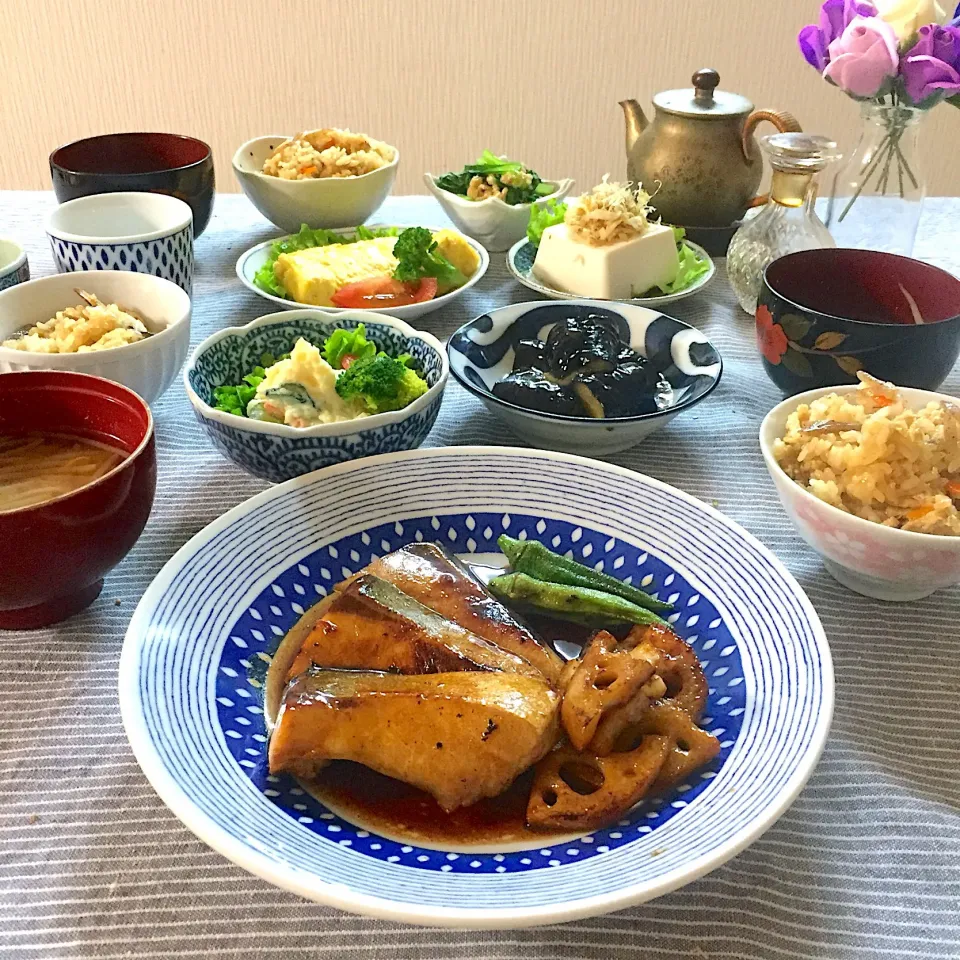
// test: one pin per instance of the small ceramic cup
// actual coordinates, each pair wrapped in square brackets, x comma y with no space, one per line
[138,232]
[825,314]
[14,267]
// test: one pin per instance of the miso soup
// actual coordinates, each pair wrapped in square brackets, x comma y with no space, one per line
[37,467]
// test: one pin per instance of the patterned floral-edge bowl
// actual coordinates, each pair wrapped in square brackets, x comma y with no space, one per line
[276,452]
[197,648]
[877,561]
[481,353]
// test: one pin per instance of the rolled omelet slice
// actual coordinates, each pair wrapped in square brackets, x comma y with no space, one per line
[458,251]
[313,275]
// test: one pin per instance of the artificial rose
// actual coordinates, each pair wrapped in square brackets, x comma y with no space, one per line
[931,68]
[863,57]
[908,16]
[835,17]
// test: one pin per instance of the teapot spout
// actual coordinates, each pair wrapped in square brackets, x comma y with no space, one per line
[635,121]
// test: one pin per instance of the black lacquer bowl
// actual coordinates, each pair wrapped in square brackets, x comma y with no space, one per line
[482,352]
[823,315]
[145,162]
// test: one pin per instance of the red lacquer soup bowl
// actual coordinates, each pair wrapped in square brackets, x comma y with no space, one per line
[55,554]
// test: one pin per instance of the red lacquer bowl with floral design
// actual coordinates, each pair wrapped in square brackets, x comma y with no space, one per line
[55,554]
[824,314]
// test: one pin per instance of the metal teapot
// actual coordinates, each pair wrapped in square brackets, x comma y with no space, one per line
[698,155]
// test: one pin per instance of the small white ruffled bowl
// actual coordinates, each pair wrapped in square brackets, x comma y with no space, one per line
[493,222]
[880,562]
[321,203]
[147,367]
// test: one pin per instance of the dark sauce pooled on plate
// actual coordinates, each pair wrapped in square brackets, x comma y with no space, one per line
[583,369]
[396,809]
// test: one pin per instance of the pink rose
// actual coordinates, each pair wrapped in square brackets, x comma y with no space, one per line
[863,57]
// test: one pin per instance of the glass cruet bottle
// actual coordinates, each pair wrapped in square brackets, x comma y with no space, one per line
[787,222]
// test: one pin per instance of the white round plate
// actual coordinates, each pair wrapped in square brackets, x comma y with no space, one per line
[520,263]
[254,258]
[196,650]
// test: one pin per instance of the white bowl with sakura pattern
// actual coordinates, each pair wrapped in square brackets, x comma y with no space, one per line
[878,561]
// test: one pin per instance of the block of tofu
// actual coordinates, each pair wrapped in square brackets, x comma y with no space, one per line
[313,275]
[615,271]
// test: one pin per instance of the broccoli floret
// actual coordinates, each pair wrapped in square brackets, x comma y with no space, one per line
[381,382]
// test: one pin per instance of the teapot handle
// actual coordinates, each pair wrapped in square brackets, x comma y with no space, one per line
[784,121]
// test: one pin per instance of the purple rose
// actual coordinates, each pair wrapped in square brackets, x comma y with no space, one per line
[863,57]
[931,68]
[835,17]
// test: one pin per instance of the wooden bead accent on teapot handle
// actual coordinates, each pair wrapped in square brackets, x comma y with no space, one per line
[783,120]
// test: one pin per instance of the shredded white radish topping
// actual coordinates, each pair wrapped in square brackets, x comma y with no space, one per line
[609,213]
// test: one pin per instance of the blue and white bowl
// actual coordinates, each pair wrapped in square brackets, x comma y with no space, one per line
[481,352]
[14,267]
[139,232]
[276,452]
[191,672]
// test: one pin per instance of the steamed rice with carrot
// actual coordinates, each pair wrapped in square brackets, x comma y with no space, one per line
[869,454]
[327,153]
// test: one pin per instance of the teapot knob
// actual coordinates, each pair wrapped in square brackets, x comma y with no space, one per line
[705,81]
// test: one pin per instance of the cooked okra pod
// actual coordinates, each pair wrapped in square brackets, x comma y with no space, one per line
[568,602]
[534,559]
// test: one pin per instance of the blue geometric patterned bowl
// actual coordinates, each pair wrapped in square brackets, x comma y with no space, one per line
[197,648]
[276,452]
[139,232]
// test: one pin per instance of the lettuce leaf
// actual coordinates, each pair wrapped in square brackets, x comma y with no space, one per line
[343,342]
[692,267]
[551,213]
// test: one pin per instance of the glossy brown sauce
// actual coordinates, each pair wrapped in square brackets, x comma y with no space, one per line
[396,809]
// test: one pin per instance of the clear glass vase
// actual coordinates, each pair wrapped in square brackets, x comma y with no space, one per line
[787,222]
[878,194]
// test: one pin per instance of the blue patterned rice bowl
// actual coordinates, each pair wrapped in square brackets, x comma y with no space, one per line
[276,452]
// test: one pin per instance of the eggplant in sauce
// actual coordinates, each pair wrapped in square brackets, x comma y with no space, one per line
[583,369]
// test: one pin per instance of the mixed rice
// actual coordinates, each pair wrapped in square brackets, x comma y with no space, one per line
[869,454]
[327,153]
[81,329]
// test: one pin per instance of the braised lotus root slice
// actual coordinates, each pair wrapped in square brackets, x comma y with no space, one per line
[575,791]
[605,678]
[679,666]
[613,724]
[691,748]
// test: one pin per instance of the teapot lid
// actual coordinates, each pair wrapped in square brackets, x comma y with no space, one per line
[703,101]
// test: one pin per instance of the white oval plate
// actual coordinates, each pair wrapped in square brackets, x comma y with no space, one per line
[254,258]
[190,688]
[520,263]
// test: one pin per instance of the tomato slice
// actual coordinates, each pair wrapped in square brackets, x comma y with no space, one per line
[426,290]
[346,360]
[384,292]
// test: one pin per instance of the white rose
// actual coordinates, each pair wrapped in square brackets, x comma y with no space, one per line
[908,16]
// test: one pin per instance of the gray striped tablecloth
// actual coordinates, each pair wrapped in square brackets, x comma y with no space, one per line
[865,864]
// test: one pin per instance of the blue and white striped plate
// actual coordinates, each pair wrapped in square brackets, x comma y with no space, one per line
[196,650]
